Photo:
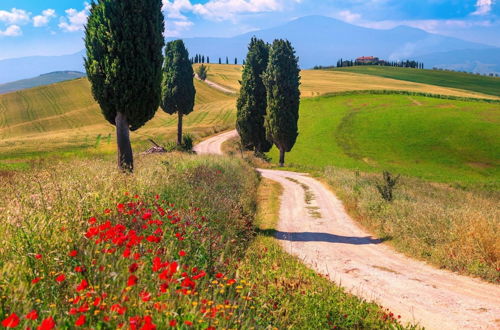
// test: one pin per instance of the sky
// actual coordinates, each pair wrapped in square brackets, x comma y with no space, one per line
[55,27]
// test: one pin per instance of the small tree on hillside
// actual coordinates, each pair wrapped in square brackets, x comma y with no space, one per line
[178,87]
[282,81]
[227,60]
[202,72]
[220,60]
[235,60]
[124,41]
[252,101]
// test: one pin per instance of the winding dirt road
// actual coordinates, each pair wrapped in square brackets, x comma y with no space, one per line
[315,227]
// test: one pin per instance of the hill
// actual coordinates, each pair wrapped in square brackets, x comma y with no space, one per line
[323,40]
[469,60]
[64,117]
[435,139]
[480,84]
[44,79]
[27,67]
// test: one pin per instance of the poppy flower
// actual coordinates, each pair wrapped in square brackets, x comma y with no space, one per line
[92,220]
[147,216]
[47,324]
[188,323]
[145,296]
[11,322]
[132,268]
[38,256]
[35,280]
[219,275]
[80,321]
[107,211]
[33,315]
[132,280]
[82,286]
[182,253]
[60,278]
[79,269]
[73,253]
[173,323]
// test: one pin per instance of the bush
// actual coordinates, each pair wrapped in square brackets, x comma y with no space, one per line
[202,72]
[386,188]
[187,142]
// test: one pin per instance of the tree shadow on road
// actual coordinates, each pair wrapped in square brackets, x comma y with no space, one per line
[319,237]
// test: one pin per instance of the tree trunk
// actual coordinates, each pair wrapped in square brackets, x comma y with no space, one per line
[125,156]
[282,157]
[179,129]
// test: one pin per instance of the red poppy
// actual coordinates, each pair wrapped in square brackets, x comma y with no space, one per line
[173,323]
[219,275]
[182,253]
[73,253]
[92,220]
[188,323]
[132,280]
[33,315]
[60,278]
[79,269]
[83,285]
[132,268]
[80,321]
[11,322]
[147,216]
[47,324]
[145,296]
[107,211]
[35,280]
[38,256]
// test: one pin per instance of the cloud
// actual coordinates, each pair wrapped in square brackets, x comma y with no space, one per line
[42,20]
[11,31]
[75,20]
[483,7]
[175,28]
[348,16]
[15,16]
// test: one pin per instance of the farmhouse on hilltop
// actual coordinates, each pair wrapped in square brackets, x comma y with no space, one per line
[368,60]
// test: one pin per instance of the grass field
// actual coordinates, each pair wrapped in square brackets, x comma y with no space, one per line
[63,118]
[479,84]
[435,139]
[320,82]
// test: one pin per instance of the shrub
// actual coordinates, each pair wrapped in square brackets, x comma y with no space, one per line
[202,72]
[386,188]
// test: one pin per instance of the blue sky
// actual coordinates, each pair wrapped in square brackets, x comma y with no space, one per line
[55,27]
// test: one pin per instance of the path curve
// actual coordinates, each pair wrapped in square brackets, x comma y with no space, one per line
[324,237]
[215,85]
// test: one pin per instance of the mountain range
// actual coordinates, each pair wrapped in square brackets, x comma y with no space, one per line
[41,80]
[318,40]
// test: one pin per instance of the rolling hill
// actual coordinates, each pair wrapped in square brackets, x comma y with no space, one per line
[44,79]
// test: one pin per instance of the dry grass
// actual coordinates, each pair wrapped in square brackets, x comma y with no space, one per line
[449,226]
[320,82]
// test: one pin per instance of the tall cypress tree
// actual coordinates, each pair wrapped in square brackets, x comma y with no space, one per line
[220,61]
[178,91]
[252,102]
[124,41]
[282,81]
[227,60]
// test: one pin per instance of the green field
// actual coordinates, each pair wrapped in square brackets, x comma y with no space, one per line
[480,84]
[435,139]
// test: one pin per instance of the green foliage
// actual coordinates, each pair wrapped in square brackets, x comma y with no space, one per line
[178,92]
[124,41]
[386,188]
[282,81]
[187,142]
[202,72]
[252,101]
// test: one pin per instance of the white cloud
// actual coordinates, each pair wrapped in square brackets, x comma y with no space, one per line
[175,28]
[483,7]
[11,31]
[44,18]
[348,16]
[219,10]
[15,16]
[75,20]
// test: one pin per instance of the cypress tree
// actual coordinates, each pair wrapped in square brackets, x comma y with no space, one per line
[235,60]
[252,102]
[227,60]
[208,59]
[220,60]
[178,87]
[282,81]
[124,41]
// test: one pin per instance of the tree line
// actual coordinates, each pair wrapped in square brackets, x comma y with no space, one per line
[198,58]
[268,104]
[400,64]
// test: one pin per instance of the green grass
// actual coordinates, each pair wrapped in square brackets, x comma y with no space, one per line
[480,84]
[431,138]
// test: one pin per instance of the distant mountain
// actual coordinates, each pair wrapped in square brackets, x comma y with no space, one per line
[28,67]
[44,79]
[469,60]
[321,40]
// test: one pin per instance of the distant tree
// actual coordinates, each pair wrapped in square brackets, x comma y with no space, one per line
[178,91]
[282,81]
[252,101]
[196,58]
[124,41]
[220,61]
[208,59]
[235,60]
[203,59]
[227,60]
[202,72]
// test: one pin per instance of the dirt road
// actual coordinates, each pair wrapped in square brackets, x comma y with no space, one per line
[315,227]
[216,86]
